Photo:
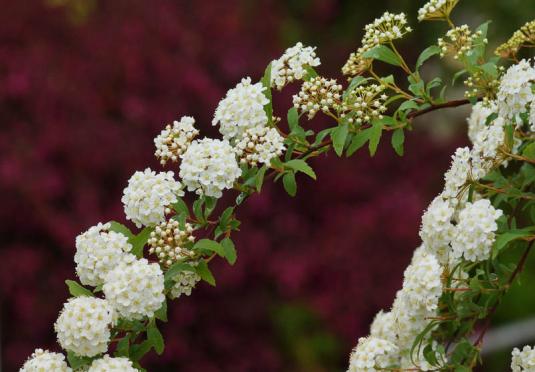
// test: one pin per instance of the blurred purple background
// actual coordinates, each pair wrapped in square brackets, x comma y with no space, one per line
[85,86]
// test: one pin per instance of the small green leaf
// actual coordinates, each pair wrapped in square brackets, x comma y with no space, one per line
[375,136]
[293,119]
[288,180]
[507,237]
[120,228]
[301,166]
[398,138]
[204,272]
[123,347]
[139,241]
[259,181]
[426,54]
[77,290]
[161,313]
[230,250]
[384,54]
[77,362]
[266,82]
[155,338]
[180,207]
[137,351]
[358,141]
[176,268]
[311,73]
[209,245]
[339,135]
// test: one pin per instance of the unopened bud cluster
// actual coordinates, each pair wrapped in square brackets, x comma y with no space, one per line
[175,139]
[169,242]
[436,10]
[259,145]
[459,41]
[523,37]
[383,30]
[365,104]
[480,84]
[318,94]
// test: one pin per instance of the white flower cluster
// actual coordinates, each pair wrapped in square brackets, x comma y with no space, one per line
[318,94]
[459,41]
[515,92]
[209,166]
[185,281]
[456,177]
[384,326]
[175,139]
[45,361]
[436,9]
[422,285]
[292,65]
[135,290]
[98,251]
[242,108]
[385,29]
[148,195]
[372,354]
[475,232]
[260,145]
[109,364]
[477,120]
[83,325]
[168,242]
[437,230]
[523,361]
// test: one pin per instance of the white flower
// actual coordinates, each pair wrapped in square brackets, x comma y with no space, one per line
[175,139]
[523,361]
[45,361]
[185,281]
[109,364]
[437,230]
[83,326]
[457,175]
[292,65]
[372,354]
[135,290]
[436,9]
[383,326]
[422,285]
[515,91]
[147,196]
[209,166]
[489,139]
[242,108]
[475,232]
[478,118]
[260,145]
[98,251]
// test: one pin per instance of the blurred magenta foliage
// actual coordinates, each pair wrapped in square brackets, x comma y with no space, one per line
[83,91]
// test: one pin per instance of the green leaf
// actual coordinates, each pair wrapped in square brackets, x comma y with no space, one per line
[384,54]
[339,135]
[225,217]
[180,207]
[507,237]
[161,313]
[293,119]
[121,229]
[375,136]
[137,351]
[123,347]
[155,338]
[77,362]
[259,180]
[426,54]
[209,245]
[408,105]
[266,82]
[139,241]
[529,151]
[311,73]
[300,165]
[288,180]
[77,290]
[358,141]
[230,250]
[197,209]
[355,82]
[204,272]
[398,138]
[176,268]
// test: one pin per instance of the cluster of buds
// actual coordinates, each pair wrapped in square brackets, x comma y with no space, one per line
[480,84]
[259,145]
[318,94]
[383,30]
[523,37]
[174,140]
[436,10]
[365,104]
[169,242]
[459,41]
